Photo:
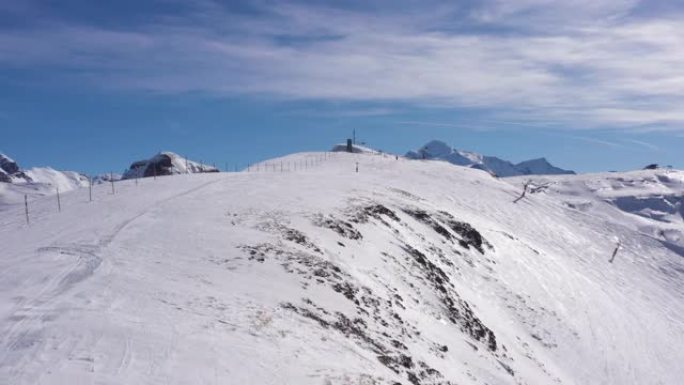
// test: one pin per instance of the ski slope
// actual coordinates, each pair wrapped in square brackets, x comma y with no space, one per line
[409,272]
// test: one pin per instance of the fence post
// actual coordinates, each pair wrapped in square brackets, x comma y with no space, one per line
[111,179]
[59,203]
[90,189]
[26,208]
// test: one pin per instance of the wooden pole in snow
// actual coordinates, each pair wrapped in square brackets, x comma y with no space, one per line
[111,179]
[59,203]
[90,189]
[617,248]
[26,208]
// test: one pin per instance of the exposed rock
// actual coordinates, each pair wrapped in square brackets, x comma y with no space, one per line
[8,165]
[165,163]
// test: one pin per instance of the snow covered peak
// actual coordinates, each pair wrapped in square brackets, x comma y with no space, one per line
[165,163]
[436,148]
[432,149]
[34,182]
[540,166]
[440,150]
[10,172]
[7,165]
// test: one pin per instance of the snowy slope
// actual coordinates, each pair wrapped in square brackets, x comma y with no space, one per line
[650,202]
[356,148]
[441,151]
[405,272]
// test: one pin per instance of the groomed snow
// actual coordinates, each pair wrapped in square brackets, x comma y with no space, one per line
[260,278]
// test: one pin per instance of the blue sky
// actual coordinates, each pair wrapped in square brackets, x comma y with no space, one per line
[91,86]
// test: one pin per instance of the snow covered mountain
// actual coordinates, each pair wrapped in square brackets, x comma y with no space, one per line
[404,272]
[442,151]
[10,171]
[165,163]
[35,182]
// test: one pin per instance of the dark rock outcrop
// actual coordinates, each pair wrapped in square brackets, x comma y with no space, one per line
[165,163]
[10,171]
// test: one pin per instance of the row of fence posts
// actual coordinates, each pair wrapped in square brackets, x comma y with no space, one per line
[288,166]
[90,194]
[282,166]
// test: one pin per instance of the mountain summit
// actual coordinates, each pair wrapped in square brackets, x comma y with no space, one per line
[439,150]
[9,170]
[165,163]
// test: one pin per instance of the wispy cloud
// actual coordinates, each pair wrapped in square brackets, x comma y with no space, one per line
[595,141]
[641,143]
[582,64]
[344,112]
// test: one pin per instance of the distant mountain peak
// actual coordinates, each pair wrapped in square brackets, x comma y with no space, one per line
[8,165]
[437,149]
[35,182]
[540,166]
[10,172]
[165,163]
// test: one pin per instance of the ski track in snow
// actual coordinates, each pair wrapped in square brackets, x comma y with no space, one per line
[22,335]
[326,276]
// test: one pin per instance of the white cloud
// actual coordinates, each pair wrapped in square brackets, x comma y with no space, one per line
[602,67]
